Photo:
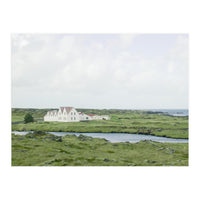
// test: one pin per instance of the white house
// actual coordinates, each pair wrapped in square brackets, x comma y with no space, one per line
[70,114]
[83,116]
[64,114]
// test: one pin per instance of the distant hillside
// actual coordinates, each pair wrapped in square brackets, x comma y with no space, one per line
[36,113]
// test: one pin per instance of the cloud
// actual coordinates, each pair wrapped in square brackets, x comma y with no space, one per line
[126,40]
[95,71]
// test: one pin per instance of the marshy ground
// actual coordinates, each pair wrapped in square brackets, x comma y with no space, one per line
[42,149]
[122,121]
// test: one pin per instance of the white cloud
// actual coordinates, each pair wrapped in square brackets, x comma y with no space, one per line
[95,71]
[126,40]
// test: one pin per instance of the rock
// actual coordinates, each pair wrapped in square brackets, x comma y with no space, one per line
[84,137]
[150,161]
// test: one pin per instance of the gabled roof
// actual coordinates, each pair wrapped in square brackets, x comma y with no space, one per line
[52,112]
[68,109]
[55,112]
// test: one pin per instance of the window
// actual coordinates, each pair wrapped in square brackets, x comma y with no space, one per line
[71,113]
[74,118]
[71,118]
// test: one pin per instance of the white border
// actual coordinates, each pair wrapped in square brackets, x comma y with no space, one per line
[99,17]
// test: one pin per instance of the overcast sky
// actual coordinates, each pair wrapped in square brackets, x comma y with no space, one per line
[127,71]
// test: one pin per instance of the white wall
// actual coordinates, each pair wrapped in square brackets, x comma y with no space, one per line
[72,116]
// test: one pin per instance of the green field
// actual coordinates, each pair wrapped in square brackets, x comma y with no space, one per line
[41,149]
[122,121]
[19,113]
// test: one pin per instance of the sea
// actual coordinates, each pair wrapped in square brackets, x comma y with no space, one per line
[172,112]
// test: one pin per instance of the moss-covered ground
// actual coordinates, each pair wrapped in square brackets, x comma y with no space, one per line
[42,149]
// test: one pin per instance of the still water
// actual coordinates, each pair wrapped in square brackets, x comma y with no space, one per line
[118,137]
[172,112]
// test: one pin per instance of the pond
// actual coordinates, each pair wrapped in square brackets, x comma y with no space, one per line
[118,137]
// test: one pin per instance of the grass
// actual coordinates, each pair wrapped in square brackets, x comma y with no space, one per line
[17,118]
[42,149]
[122,121]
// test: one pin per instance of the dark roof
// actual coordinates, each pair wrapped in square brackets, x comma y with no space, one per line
[68,109]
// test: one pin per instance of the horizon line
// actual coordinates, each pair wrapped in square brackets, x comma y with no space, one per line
[107,108]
